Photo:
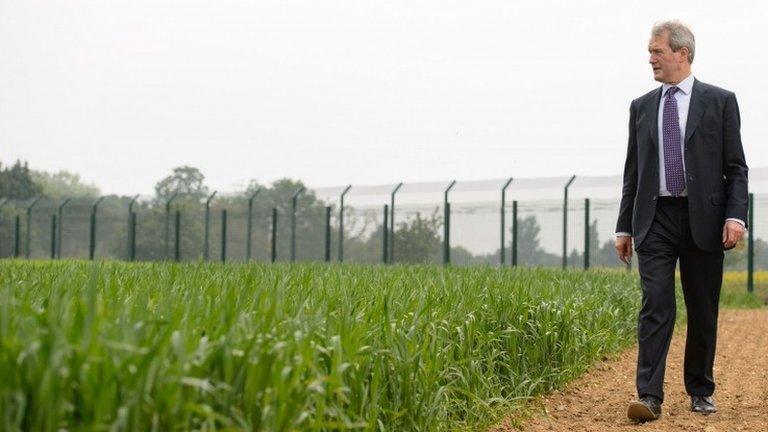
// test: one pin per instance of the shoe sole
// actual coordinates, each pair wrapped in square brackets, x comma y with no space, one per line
[639,412]
[705,412]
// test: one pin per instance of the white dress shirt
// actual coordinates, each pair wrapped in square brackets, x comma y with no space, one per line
[683,98]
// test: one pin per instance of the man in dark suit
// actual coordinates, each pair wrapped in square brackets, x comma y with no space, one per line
[684,197]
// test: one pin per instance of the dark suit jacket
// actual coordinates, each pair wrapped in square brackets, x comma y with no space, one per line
[715,169]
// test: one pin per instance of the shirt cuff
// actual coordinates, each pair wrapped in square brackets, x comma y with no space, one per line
[737,220]
[623,234]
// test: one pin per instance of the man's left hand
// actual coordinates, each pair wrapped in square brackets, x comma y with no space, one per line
[733,232]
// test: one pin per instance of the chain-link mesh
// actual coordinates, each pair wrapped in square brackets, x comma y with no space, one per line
[237,217]
[7,216]
[364,234]
[331,197]
[603,214]
[364,227]
[216,222]
[758,229]
[420,223]
[76,228]
[475,222]
[150,231]
[111,228]
[12,221]
[261,231]
[37,229]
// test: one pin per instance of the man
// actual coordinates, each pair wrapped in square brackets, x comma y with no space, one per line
[684,197]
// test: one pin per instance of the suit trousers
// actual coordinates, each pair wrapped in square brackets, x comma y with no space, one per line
[701,274]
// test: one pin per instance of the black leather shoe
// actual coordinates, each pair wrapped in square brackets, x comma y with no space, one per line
[646,409]
[703,404]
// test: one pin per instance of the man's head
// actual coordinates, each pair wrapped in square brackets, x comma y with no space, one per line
[671,49]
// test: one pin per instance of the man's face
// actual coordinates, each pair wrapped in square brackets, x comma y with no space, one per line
[666,64]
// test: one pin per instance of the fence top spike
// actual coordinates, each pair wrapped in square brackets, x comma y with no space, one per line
[32,204]
[450,186]
[210,197]
[506,185]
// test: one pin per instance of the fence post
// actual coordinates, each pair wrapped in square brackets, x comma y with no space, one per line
[177,237]
[503,204]
[3,202]
[17,239]
[132,256]
[61,227]
[53,236]
[447,226]
[249,225]
[273,250]
[586,233]
[751,245]
[514,233]
[385,249]
[224,235]
[207,225]
[29,226]
[92,243]
[167,251]
[341,223]
[294,203]
[391,259]
[130,237]
[327,233]
[565,221]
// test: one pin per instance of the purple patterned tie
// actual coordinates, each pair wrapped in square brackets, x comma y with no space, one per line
[673,157]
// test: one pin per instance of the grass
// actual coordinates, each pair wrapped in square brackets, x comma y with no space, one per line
[734,293]
[310,347]
[303,347]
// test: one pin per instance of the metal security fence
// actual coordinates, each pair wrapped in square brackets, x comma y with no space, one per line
[563,221]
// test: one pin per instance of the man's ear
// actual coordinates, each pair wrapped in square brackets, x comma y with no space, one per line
[684,51]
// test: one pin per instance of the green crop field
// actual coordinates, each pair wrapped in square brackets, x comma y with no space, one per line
[116,346]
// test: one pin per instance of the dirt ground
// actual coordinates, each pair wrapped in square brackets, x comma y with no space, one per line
[598,401]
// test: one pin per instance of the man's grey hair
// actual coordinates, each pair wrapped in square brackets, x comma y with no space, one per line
[679,36]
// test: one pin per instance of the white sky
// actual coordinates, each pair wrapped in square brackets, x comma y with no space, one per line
[334,92]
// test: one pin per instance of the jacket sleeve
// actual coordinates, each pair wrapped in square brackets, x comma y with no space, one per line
[629,190]
[734,164]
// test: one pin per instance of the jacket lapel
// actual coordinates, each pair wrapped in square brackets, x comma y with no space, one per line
[653,111]
[696,108]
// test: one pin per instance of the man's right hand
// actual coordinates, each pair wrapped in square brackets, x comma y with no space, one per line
[624,248]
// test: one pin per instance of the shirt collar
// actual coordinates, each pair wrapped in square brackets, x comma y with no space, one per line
[684,86]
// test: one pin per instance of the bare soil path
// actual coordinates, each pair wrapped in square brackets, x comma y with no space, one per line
[597,402]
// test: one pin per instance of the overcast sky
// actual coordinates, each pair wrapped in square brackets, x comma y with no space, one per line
[334,92]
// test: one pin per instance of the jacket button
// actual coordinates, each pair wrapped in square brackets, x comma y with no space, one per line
[654,198]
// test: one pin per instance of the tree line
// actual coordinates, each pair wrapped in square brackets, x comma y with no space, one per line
[418,238]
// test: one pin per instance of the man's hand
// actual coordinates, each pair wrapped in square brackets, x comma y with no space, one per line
[733,232]
[624,248]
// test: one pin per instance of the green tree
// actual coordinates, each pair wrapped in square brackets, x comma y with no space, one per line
[529,250]
[16,182]
[64,184]
[185,180]
[417,240]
